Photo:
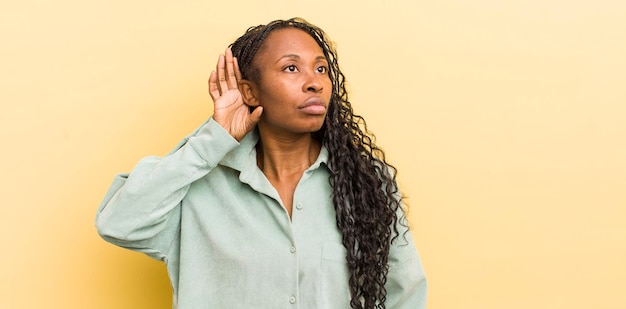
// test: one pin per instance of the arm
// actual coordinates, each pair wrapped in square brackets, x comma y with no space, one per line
[145,203]
[406,281]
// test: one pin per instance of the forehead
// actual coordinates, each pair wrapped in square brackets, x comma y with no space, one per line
[289,41]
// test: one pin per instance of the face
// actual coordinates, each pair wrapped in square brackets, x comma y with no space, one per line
[294,87]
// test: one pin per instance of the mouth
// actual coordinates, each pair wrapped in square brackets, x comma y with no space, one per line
[313,106]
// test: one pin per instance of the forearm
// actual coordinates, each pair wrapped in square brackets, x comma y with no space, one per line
[140,208]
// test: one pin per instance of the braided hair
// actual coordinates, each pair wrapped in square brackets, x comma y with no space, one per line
[365,193]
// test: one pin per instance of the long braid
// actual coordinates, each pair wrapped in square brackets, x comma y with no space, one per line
[365,192]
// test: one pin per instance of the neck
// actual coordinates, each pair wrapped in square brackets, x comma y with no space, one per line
[284,157]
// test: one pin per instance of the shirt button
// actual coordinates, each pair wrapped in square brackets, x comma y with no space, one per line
[292,249]
[299,206]
[292,299]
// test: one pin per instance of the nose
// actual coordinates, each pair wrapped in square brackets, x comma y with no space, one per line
[312,83]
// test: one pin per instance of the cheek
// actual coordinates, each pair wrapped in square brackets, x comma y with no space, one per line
[329,86]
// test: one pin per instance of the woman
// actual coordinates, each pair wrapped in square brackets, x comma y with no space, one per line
[281,199]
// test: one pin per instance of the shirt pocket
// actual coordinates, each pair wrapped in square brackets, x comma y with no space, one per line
[334,252]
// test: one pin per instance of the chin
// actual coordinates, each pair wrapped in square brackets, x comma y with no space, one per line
[314,127]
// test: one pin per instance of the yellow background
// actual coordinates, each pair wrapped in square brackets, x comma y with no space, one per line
[506,119]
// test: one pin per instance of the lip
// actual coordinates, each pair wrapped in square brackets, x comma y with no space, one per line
[313,106]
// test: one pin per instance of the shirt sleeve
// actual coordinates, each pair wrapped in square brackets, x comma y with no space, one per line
[406,281]
[141,211]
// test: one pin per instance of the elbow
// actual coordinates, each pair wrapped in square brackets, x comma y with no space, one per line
[109,230]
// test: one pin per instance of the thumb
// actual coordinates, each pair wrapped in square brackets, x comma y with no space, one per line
[255,116]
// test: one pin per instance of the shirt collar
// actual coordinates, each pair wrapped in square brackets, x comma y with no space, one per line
[244,157]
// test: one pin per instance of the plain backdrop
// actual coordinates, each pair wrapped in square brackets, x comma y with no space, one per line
[506,120]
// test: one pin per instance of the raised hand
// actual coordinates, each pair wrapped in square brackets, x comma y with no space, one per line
[229,109]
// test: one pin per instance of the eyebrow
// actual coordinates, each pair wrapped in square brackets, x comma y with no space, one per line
[318,58]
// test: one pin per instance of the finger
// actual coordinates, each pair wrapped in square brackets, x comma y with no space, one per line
[255,116]
[221,75]
[237,71]
[213,88]
[231,78]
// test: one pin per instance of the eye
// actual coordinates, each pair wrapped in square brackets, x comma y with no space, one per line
[322,69]
[290,68]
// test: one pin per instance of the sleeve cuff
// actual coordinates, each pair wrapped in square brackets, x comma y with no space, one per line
[212,142]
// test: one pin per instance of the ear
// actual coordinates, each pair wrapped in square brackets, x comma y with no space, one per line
[248,93]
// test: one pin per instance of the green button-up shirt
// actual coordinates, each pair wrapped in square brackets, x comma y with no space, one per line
[212,216]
